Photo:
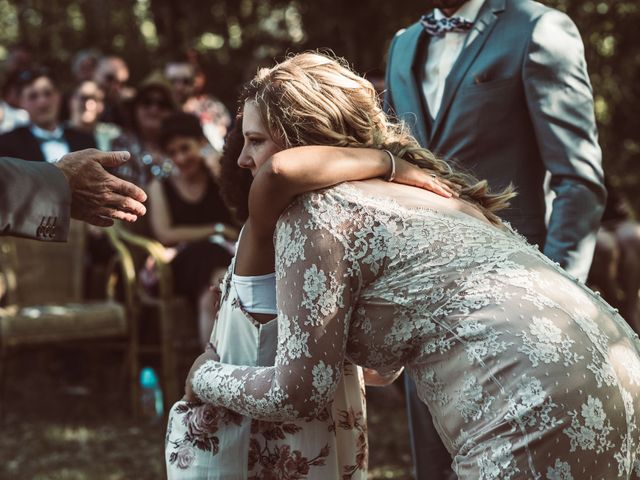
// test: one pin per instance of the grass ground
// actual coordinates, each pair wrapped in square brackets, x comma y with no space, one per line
[49,433]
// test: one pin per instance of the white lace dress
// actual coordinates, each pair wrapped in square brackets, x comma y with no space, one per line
[527,373]
[205,442]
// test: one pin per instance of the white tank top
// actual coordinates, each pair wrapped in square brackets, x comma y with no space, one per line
[257,293]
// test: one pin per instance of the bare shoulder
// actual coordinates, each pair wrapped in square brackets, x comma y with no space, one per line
[154,188]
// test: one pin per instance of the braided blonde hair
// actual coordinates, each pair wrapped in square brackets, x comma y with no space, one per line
[314,99]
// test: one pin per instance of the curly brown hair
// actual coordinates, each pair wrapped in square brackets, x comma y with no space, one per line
[235,182]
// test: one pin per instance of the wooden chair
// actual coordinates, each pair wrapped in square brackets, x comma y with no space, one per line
[43,300]
[164,311]
[173,315]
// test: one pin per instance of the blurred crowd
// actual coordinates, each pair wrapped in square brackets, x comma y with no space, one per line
[102,110]
[175,131]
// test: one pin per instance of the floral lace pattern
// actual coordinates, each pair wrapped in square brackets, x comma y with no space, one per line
[213,443]
[526,372]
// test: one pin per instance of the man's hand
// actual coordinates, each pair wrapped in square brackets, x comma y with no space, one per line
[209,354]
[97,197]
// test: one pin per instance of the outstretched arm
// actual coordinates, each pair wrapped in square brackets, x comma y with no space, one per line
[292,172]
[37,199]
[169,234]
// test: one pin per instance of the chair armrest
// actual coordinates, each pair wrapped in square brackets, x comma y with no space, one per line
[121,262]
[8,283]
[155,250]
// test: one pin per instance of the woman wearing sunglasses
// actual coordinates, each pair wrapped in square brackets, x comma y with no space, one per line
[151,105]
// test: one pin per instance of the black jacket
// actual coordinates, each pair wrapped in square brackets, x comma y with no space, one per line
[21,143]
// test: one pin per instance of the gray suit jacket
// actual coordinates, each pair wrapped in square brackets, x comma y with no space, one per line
[35,200]
[518,102]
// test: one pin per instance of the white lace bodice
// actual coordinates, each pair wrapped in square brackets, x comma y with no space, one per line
[500,341]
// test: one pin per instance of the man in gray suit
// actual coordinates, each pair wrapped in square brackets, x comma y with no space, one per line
[37,198]
[501,88]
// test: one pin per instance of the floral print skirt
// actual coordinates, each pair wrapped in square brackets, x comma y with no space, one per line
[206,442]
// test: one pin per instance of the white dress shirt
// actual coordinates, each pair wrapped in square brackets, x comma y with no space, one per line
[52,143]
[442,55]
[11,118]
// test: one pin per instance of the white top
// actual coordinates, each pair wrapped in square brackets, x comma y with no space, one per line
[52,143]
[11,118]
[256,293]
[324,447]
[442,55]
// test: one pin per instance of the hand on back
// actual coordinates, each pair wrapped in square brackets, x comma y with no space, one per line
[409,174]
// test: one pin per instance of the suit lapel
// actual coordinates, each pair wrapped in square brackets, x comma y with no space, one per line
[410,99]
[478,35]
[31,146]
[72,140]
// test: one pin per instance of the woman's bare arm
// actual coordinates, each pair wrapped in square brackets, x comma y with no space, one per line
[161,221]
[294,171]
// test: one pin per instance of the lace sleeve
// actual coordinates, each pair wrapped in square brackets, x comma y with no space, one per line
[316,285]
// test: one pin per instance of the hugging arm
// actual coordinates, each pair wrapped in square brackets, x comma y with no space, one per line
[294,171]
[317,285]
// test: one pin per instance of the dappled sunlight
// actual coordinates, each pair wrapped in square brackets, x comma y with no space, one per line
[624,359]
[59,433]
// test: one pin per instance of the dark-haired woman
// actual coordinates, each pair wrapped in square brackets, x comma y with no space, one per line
[146,111]
[188,215]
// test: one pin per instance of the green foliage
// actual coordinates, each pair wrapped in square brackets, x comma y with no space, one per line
[237,36]
[609,31]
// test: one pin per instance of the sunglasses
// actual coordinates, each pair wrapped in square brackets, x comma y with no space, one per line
[86,98]
[159,103]
[182,80]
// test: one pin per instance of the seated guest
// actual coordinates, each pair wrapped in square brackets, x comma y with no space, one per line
[152,103]
[187,213]
[85,106]
[44,138]
[83,68]
[188,82]
[84,64]
[11,115]
[111,75]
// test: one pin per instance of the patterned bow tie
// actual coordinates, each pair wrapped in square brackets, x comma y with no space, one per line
[437,28]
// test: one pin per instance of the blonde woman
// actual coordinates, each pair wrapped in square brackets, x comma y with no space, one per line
[526,372]
[208,442]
